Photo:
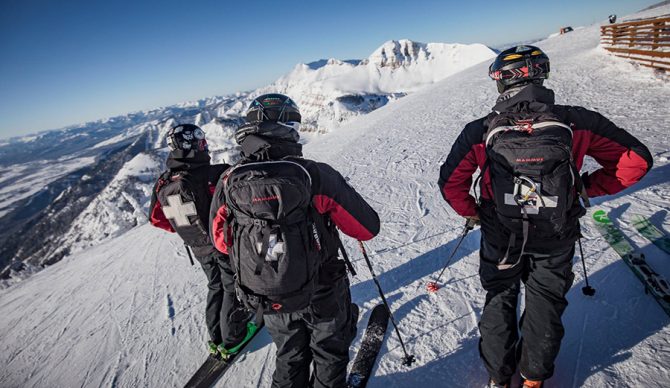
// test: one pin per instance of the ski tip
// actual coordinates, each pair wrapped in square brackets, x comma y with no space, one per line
[432,287]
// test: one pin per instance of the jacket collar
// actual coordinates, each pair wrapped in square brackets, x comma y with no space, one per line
[179,160]
[257,148]
[531,97]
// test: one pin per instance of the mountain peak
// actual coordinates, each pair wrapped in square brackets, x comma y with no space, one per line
[398,53]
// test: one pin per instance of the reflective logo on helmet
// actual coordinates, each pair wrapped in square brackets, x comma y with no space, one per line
[512,56]
[272,101]
[520,49]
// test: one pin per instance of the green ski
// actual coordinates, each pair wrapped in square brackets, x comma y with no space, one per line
[651,233]
[653,283]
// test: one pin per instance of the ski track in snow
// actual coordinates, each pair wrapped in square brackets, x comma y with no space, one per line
[130,312]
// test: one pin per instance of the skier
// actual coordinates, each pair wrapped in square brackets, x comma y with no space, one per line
[180,202]
[529,206]
[277,213]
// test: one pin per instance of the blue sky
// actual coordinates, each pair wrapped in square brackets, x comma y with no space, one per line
[71,61]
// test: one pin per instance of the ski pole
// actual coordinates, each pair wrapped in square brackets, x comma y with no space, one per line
[586,290]
[409,358]
[469,225]
[188,251]
[350,266]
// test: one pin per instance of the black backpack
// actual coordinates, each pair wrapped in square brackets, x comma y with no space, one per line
[535,183]
[275,247]
[185,201]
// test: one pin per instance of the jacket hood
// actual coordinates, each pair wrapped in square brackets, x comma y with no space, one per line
[179,160]
[257,148]
[531,97]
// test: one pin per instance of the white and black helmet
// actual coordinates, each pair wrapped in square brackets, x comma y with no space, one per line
[187,137]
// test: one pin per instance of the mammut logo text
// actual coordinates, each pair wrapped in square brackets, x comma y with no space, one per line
[264,199]
[530,160]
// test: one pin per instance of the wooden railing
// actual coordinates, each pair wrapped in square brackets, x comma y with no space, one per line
[646,41]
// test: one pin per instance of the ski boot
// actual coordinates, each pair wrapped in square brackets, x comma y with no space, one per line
[493,384]
[227,354]
[531,383]
[212,348]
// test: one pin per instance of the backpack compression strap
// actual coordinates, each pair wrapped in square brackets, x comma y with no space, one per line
[525,128]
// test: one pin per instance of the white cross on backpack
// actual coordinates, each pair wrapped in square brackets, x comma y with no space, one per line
[178,210]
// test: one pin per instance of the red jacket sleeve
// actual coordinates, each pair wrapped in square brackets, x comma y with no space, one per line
[219,227]
[466,155]
[156,215]
[219,231]
[624,159]
[346,208]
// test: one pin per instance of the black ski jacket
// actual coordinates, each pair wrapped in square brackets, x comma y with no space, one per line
[624,160]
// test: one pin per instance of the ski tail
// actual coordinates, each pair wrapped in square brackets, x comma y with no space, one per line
[365,359]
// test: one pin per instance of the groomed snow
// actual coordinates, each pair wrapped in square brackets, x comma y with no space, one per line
[129,312]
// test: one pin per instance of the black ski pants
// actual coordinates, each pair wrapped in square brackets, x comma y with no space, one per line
[321,334]
[547,278]
[225,316]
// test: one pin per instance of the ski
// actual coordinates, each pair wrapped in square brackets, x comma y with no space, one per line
[651,232]
[372,341]
[654,284]
[214,368]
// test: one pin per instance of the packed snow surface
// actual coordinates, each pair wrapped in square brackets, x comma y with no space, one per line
[130,312]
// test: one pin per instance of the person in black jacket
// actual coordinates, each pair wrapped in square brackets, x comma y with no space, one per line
[180,203]
[542,262]
[321,331]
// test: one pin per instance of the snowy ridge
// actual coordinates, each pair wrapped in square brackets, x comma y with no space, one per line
[103,317]
[331,92]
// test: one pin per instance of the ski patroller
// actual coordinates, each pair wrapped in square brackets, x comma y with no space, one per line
[213,369]
[361,369]
[651,232]
[654,284]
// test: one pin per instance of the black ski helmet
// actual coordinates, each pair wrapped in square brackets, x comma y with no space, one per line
[186,138]
[272,116]
[519,64]
[273,107]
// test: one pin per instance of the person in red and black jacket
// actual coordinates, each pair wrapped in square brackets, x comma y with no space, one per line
[180,203]
[546,265]
[322,332]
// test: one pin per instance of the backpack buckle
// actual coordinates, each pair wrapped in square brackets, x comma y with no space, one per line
[524,126]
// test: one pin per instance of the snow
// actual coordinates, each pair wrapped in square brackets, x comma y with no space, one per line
[122,205]
[130,312]
[331,92]
[21,181]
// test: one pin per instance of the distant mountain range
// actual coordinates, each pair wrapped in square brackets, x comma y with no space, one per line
[65,190]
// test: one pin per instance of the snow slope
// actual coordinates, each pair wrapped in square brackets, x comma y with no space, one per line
[130,312]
